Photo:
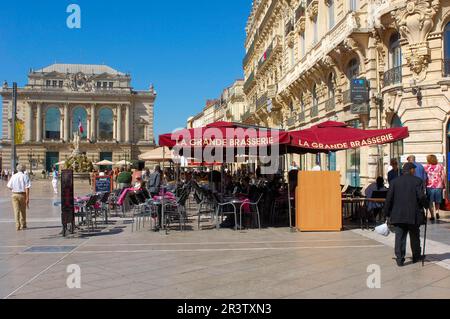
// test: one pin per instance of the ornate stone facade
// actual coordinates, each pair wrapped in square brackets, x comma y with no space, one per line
[398,46]
[230,107]
[117,121]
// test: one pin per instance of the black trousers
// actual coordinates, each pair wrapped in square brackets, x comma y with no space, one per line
[401,234]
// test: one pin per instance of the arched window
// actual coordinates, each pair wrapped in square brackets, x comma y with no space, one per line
[315,32]
[302,104]
[302,45]
[106,119]
[331,86]
[330,14]
[397,148]
[52,124]
[315,102]
[315,99]
[79,122]
[447,49]
[353,69]
[291,106]
[395,51]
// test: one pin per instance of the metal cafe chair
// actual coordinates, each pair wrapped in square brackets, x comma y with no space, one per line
[176,210]
[113,202]
[144,206]
[90,212]
[137,214]
[104,206]
[224,208]
[205,206]
[254,205]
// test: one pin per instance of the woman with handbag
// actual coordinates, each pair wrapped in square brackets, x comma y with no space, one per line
[435,185]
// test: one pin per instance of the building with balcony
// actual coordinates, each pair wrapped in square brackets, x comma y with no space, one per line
[117,121]
[229,108]
[302,56]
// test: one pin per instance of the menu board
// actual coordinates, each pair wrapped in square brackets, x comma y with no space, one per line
[67,198]
[103,184]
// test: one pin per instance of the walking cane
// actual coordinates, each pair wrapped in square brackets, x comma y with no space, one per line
[425,239]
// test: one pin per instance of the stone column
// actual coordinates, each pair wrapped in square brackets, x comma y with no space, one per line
[61,123]
[39,123]
[127,124]
[66,123]
[88,125]
[119,124]
[29,123]
[93,123]
[115,125]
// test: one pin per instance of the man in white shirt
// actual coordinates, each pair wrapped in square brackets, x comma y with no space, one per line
[294,166]
[20,185]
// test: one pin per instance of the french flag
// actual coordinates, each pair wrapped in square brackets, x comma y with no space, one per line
[80,126]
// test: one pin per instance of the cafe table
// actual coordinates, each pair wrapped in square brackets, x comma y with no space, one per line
[231,201]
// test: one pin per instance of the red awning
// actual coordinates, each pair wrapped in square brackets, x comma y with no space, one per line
[335,136]
[225,135]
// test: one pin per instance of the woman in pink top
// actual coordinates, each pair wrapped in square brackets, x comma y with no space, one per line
[435,184]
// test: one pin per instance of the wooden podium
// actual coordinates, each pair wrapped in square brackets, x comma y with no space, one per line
[318,202]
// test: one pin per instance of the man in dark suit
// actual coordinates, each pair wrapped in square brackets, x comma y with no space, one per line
[404,208]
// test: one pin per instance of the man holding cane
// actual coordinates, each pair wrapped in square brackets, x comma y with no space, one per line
[405,205]
[20,185]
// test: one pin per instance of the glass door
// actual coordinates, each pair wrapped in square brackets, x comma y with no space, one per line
[51,159]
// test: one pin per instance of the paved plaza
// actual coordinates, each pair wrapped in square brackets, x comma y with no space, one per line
[271,263]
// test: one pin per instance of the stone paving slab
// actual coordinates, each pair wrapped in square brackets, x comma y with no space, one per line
[266,264]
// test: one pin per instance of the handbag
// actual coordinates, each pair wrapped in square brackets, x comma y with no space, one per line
[383,230]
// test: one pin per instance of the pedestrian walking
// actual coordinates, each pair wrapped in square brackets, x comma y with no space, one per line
[20,186]
[55,177]
[395,171]
[435,185]
[405,205]
[420,170]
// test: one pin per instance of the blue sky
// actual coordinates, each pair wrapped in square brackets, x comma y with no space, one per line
[190,50]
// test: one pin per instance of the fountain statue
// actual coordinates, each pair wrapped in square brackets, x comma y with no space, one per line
[78,162]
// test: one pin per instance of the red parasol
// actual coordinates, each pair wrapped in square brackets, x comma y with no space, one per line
[225,135]
[336,136]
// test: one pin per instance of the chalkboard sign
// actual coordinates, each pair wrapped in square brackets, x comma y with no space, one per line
[67,200]
[103,184]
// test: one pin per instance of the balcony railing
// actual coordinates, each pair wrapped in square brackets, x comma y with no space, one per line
[265,56]
[291,121]
[272,49]
[250,81]
[446,67]
[249,54]
[330,105]
[301,117]
[261,102]
[272,91]
[393,76]
[314,111]
[268,15]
